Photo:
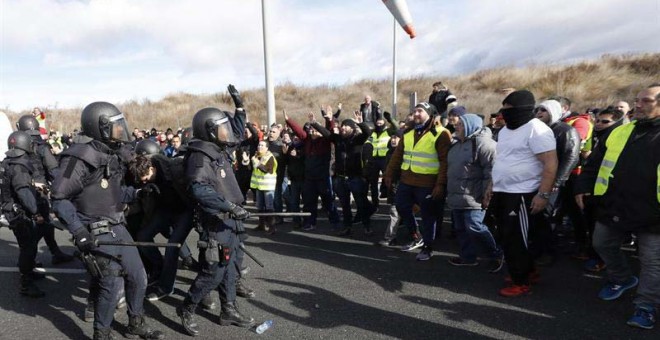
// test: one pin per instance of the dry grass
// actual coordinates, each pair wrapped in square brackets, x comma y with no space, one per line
[591,83]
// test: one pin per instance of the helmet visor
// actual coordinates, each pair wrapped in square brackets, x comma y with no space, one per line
[118,128]
[224,132]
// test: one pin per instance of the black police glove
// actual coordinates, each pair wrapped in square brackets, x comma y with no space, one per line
[237,212]
[148,189]
[84,240]
[387,115]
[233,92]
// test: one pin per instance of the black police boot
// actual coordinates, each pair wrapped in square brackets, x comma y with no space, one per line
[231,316]
[187,312]
[29,289]
[138,328]
[244,291]
[103,334]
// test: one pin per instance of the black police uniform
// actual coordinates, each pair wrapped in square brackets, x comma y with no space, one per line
[214,188]
[89,197]
[23,208]
[45,164]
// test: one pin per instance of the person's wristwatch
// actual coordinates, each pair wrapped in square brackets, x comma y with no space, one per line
[544,195]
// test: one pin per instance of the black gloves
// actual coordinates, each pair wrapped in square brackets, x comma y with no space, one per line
[387,115]
[237,212]
[233,92]
[147,190]
[84,240]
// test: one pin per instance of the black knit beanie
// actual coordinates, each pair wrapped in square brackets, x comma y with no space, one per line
[520,99]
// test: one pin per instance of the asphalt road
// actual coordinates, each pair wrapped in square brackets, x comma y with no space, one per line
[320,286]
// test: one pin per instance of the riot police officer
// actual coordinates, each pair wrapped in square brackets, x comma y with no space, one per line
[88,197]
[19,206]
[214,188]
[44,163]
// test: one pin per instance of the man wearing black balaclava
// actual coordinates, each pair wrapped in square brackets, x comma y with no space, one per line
[522,179]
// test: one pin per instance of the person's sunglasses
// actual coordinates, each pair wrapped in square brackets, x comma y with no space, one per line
[604,121]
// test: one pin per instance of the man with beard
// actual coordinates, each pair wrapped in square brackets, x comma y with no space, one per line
[419,164]
[624,173]
[523,176]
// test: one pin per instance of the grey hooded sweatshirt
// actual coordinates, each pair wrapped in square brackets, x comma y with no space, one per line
[470,163]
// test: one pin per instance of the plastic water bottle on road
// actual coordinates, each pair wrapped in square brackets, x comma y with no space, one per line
[264,327]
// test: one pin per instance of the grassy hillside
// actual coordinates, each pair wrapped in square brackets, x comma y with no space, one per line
[589,83]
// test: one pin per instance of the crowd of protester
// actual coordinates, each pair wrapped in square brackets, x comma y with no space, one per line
[510,183]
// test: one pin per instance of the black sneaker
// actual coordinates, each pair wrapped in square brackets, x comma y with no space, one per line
[413,245]
[32,291]
[495,265]
[459,262]
[344,232]
[157,294]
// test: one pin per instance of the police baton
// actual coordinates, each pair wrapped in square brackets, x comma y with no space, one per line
[281,214]
[138,244]
[240,245]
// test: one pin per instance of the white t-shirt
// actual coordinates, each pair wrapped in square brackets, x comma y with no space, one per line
[516,168]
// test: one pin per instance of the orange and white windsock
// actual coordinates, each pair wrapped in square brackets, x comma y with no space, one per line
[399,9]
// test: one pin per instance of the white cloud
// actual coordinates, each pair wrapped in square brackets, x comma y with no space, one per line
[70,51]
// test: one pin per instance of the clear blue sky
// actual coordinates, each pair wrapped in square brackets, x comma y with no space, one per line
[68,53]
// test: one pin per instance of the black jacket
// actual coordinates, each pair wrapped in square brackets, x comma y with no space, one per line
[348,152]
[568,151]
[630,202]
[20,176]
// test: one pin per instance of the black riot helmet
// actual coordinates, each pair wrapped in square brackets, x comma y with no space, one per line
[20,140]
[147,147]
[104,122]
[212,125]
[29,124]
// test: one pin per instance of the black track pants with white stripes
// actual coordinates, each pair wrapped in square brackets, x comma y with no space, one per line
[516,228]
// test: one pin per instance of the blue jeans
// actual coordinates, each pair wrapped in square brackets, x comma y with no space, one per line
[265,200]
[294,192]
[344,187]
[607,242]
[473,235]
[406,197]
[280,187]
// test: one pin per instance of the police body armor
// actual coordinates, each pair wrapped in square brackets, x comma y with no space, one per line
[105,175]
[221,176]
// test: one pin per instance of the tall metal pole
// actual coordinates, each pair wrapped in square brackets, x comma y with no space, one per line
[270,91]
[394,114]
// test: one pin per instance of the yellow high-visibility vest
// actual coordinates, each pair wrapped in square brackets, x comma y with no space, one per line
[262,180]
[615,144]
[380,143]
[421,158]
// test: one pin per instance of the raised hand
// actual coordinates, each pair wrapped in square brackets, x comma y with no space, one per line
[235,95]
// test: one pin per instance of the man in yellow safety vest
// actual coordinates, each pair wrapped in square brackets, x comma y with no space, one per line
[624,173]
[419,163]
